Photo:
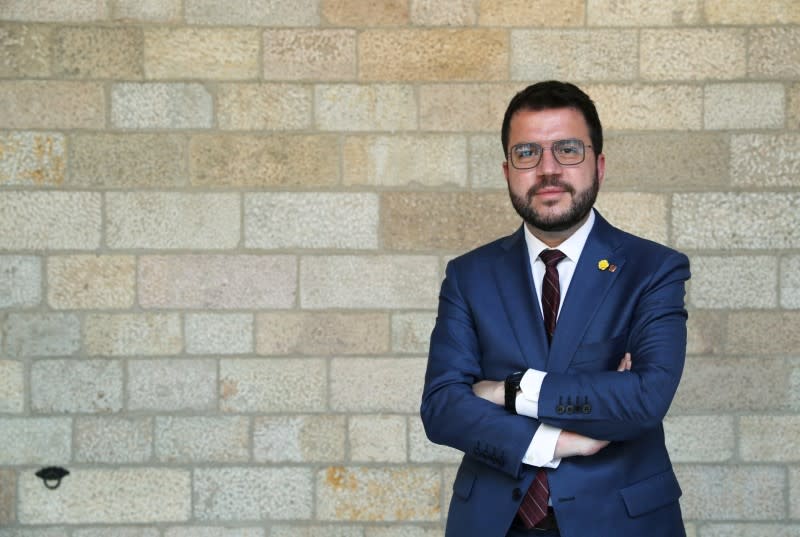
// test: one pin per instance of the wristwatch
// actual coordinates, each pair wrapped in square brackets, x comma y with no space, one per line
[512,387]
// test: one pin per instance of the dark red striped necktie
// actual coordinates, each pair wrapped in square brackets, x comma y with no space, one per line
[534,505]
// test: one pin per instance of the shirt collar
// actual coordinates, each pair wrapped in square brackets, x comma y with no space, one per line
[572,247]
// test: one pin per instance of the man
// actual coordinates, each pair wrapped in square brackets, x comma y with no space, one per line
[553,372]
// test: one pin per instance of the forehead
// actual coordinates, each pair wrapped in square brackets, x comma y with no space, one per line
[547,125]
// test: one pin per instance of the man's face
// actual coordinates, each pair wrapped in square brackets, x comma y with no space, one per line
[552,197]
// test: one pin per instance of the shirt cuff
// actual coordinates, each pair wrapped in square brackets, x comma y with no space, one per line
[542,450]
[527,401]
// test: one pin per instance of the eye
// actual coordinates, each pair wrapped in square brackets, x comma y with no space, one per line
[569,147]
[526,151]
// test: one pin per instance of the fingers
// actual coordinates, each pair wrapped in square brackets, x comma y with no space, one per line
[626,363]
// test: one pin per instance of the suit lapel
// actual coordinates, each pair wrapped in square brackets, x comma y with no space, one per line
[515,285]
[586,292]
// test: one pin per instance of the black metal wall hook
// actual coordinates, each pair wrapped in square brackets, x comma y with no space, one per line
[52,475]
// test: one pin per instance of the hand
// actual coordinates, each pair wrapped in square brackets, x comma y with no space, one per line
[571,444]
[626,363]
[493,391]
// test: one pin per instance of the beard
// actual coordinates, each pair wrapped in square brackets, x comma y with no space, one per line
[582,203]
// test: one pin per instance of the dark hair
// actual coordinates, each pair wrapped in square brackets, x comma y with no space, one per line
[555,94]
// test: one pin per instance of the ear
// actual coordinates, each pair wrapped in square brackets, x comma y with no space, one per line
[505,170]
[601,168]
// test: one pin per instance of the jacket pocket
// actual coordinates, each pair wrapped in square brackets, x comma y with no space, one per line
[650,494]
[462,486]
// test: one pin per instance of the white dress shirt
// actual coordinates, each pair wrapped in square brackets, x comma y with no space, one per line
[541,451]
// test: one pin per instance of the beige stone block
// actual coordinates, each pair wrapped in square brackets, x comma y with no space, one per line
[91,282]
[762,332]
[372,282]
[114,440]
[178,220]
[741,12]
[779,444]
[317,220]
[47,11]
[24,50]
[20,281]
[51,104]
[749,529]
[172,385]
[377,438]
[730,220]
[201,53]
[648,107]
[132,334]
[705,332]
[370,14]
[247,493]
[464,107]
[309,438]
[252,12]
[378,494]
[433,54]
[128,160]
[32,441]
[322,333]
[328,530]
[318,54]
[355,381]
[744,106]
[423,450]
[76,386]
[794,492]
[161,106]
[444,220]
[264,161]
[32,158]
[765,160]
[733,384]
[112,496]
[146,10]
[485,162]
[50,220]
[790,282]
[674,161]
[636,212]
[213,531]
[443,13]
[713,492]
[574,54]
[706,438]
[273,385]
[8,497]
[218,281]
[775,52]
[693,54]
[97,52]
[793,107]
[403,531]
[411,331]
[377,107]
[198,439]
[12,388]
[644,13]
[219,333]
[42,334]
[264,106]
[30,532]
[734,282]
[400,160]
[546,13]
[119,531]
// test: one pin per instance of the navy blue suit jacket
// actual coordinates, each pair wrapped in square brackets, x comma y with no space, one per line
[489,325]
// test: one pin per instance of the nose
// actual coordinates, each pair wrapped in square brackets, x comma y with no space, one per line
[548,164]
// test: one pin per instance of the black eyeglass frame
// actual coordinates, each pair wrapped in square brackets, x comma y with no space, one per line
[552,150]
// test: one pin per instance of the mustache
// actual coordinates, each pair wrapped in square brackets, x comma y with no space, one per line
[549,182]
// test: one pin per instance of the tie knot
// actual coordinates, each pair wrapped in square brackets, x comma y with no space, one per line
[552,257]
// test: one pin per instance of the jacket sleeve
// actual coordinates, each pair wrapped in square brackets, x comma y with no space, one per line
[622,406]
[451,413]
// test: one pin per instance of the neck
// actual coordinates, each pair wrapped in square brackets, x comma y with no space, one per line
[554,238]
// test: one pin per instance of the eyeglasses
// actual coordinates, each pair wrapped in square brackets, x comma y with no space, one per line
[527,155]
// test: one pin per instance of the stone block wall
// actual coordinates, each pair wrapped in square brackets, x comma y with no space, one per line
[223,225]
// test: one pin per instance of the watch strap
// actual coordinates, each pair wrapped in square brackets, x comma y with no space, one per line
[511,389]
